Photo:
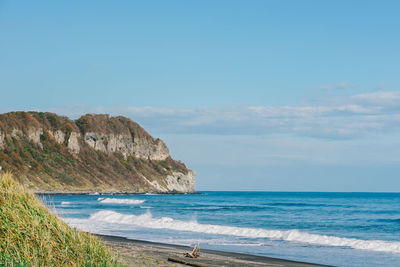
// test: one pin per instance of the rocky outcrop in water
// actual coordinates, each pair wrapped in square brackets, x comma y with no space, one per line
[95,152]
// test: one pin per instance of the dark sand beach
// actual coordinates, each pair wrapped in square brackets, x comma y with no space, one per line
[144,253]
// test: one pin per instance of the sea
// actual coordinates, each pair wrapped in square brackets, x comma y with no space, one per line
[339,229]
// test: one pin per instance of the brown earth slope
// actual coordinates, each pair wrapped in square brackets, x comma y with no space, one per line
[94,153]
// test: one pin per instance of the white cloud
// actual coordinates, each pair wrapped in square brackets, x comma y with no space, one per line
[359,115]
[342,85]
[379,98]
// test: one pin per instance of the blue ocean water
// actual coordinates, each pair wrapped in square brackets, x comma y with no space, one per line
[340,229]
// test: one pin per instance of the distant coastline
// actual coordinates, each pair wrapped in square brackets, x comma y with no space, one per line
[95,153]
[72,192]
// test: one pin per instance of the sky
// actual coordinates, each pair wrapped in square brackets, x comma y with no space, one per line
[252,95]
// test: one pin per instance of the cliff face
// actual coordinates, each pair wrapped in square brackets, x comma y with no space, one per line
[93,153]
[121,135]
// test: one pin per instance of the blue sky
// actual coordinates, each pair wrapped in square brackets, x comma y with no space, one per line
[253,95]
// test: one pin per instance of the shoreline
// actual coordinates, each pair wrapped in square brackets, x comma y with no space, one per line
[162,254]
[72,192]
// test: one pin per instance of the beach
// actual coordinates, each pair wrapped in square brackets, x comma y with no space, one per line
[144,253]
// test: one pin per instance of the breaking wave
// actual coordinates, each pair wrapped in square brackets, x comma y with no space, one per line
[65,203]
[120,201]
[146,220]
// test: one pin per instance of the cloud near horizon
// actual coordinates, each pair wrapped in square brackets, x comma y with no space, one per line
[355,116]
[338,86]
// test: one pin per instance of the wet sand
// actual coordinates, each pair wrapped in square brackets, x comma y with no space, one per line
[144,253]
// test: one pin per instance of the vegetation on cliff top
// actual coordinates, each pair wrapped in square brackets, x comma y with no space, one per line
[30,235]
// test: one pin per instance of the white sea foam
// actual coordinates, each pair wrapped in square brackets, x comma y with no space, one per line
[120,201]
[146,220]
[65,203]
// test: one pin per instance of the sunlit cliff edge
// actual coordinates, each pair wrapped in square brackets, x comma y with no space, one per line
[93,153]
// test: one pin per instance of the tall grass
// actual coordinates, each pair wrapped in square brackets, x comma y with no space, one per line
[31,236]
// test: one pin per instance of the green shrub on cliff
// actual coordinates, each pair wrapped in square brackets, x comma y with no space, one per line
[30,235]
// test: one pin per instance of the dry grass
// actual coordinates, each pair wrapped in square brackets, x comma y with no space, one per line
[31,236]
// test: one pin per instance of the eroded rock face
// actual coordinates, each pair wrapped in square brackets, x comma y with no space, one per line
[127,146]
[120,143]
[154,151]
[120,134]
[95,141]
[1,140]
[34,135]
[16,132]
[73,143]
[181,182]
[177,182]
[58,135]
[155,185]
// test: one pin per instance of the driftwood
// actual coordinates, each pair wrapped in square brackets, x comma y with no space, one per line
[186,262]
[194,253]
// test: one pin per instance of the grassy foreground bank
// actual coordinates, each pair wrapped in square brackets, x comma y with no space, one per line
[32,236]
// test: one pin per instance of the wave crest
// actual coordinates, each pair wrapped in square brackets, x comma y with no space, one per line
[146,220]
[120,201]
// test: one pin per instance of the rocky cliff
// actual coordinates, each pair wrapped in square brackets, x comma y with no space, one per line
[93,153]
